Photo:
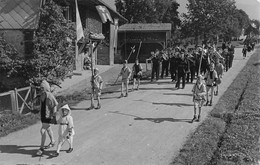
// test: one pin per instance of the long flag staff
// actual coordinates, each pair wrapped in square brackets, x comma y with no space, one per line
[201,56]
[139,50]
[132,51]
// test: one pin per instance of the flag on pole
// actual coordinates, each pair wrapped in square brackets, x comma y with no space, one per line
[79,29]
[104,14]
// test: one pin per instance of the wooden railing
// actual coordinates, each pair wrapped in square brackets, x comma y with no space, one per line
[19,99]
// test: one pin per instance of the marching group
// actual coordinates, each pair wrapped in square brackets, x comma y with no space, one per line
[207,63]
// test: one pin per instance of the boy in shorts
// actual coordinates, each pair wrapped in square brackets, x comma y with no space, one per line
[137,73]
[126,74]
[97,85]
[199,92]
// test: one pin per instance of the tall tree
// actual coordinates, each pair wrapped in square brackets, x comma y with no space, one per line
[208,18]
[149,11]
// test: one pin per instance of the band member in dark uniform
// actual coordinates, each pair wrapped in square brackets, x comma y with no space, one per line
[192,68]
[165,62]
[173,64]
[155,64]
[182,69]
[231,51]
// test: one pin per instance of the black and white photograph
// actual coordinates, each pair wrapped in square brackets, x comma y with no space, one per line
[129,82]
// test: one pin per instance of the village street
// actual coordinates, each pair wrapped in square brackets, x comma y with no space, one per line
[146,128]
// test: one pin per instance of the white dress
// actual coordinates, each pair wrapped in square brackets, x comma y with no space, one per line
[65,124]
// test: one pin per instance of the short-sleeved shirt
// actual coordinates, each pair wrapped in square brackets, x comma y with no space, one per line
[211,77]
[47,108]
[125,72]
[197,90]
[97,81]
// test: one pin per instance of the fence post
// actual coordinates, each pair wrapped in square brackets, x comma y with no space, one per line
[16,100]
[13,101]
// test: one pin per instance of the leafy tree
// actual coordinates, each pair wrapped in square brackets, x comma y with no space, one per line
[149,11]
[207,18]
[253,28]
[53,54]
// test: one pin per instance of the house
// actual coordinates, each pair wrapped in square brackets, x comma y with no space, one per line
[19,19]
[144,37]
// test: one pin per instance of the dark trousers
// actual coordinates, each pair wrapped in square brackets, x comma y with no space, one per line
[191,74]
[231,57]
[155,70]
[165,67]
[173,71]
[181,76]
[227,63]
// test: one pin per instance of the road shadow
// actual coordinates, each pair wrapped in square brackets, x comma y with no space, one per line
[81,109]
[160,120]
[179,94]
[25,150]
[154,120]
[174,104]
[173,89]
[112,97]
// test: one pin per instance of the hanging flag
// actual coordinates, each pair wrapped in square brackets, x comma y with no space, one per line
[116,33]
[79,29]
[104,14]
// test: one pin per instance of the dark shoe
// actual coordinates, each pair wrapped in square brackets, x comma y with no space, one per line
[50,145]
[56,154]
[194,118]
[69,150]
[198,119]
[40,152]
[207,103]
[98,106]
[126,94]
[210,103]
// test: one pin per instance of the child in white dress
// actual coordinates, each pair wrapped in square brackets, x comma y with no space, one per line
[66,128]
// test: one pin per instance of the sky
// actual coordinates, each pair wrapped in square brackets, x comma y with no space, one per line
[251,7]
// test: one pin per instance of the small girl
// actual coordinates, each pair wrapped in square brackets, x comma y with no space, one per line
[210,78]
[66,129]
[199,92]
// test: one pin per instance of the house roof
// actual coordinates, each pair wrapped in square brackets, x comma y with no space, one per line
[113,12]
[19,14]
[146,27]
[24,14]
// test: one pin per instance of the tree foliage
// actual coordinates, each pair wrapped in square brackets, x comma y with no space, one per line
[53,54]
[53,50]
[149,11]
[211,18]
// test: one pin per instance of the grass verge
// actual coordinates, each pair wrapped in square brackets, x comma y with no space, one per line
[230,133]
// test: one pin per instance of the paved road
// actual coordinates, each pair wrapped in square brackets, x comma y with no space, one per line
[146,128]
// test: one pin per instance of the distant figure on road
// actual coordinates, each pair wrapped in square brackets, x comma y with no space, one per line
[210,78]
[155,64]
[66,129]
[244,51]
[48,108]
[220,70]
[199,92]
[231,51]
[126,74]
[182,70]
[137,73]
[97,85]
